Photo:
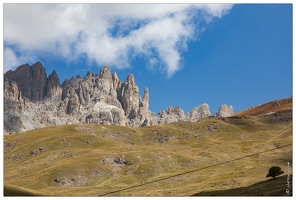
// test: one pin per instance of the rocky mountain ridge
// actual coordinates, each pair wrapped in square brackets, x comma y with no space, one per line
[33,100]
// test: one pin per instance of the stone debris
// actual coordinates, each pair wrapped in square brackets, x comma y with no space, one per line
[36,151]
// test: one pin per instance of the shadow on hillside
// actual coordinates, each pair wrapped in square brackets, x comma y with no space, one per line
[11,190]
[276,187]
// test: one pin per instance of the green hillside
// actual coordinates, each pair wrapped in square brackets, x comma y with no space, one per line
[179,159]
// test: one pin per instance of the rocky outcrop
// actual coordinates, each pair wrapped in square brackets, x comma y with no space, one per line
[110,100]
[106,114]
[143,106]
[33,100]
[171,115]
[224,111]
[115,81]
[11,90]
[14,106]
[32,81]
[93,99]
[198,113]
[129,96]
[53,87]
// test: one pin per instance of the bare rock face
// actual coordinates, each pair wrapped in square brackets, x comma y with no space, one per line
[72,102]
[129,96]
[33,100]
[92,99]
[143,107]
[115,81]
[135,108]
[224,111]
[171,115]
[11,90]
[32,81]
[198,113]
[14,106]
[53,88]
[36,101]
[106,114]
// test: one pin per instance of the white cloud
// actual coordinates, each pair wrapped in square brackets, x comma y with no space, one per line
[11,59]
[108,34]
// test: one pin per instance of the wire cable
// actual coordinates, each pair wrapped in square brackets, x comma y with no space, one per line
[191,171]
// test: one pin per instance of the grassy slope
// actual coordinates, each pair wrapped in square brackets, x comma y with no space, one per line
[273,106]
[81,157]
[270,187]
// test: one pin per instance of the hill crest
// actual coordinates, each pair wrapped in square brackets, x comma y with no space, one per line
[267,108]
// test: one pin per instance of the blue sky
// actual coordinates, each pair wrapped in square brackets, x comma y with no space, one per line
[240,55]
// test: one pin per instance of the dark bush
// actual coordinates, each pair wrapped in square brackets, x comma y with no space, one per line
[274,171]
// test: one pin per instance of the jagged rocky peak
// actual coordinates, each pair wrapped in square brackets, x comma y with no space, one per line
[146,97]
[171,115]
[105,82]
[175,111]
[129,96]
[91,77]
[115,81]
[33,83]
[96,98]
[93,99]
[54,75]
[105,73]
[53,86]
[198,113]
[224,111]
[143,111]
[78,76]
[130,79]
[31,80]
[89,74]
[38,81]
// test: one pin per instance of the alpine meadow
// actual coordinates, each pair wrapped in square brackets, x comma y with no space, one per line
[147,100]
